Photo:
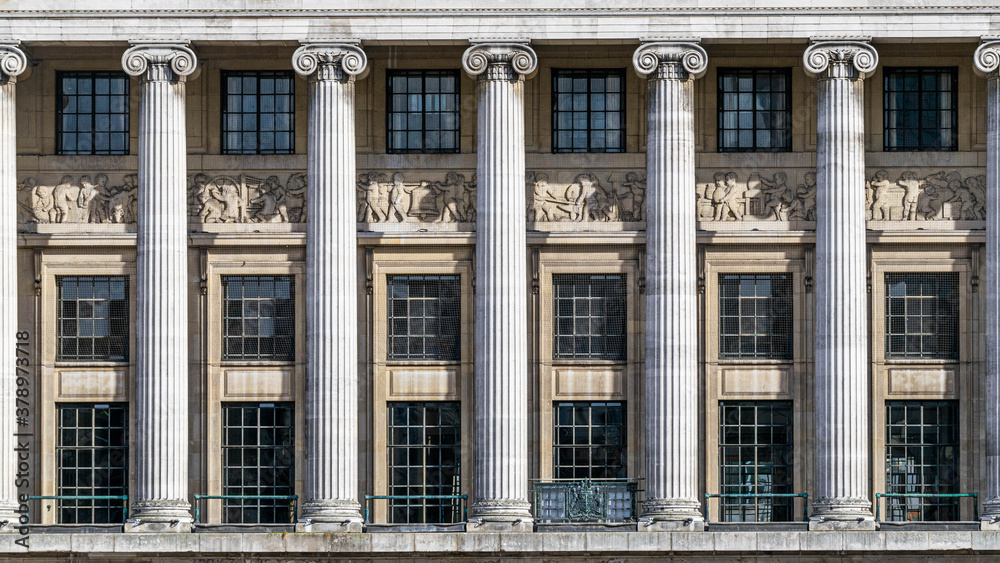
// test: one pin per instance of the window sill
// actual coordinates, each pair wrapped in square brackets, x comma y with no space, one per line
[256,363]
[919,361]
[422,363]
[90,364]
[588,363]
[753,362]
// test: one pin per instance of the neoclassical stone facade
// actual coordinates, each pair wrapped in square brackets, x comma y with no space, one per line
[518,275]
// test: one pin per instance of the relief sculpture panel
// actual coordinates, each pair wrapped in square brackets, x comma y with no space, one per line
[586,199]
[86,199]
[936,196]
[384,198]
[758,197]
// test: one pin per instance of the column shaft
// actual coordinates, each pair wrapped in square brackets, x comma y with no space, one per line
[160,500]
[12,64]
[842,394]
[331,502]
[501,300]
[671,363]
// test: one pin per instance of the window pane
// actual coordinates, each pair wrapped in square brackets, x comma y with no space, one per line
[753,114]
[921,315]
[87,111]
[597,430]
[258,317]
[424,317]
[92,458]
[258,455]
[425,460]
[258,114]
[920,113]
[587,110]
[756,311]
[590,311]
[921,458]
[93,318]
[761,465]
[422,113]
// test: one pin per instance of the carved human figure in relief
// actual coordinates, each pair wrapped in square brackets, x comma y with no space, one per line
[43,204]
[590,199]
[732,202]
[807,196]
[881,204]
[294,198]
[909,182]
[90,201]
[637,187]
[64,200]
[369,188]
[271,209]
[469,200]
[25,197]
[719,195]
[397,197]
[977,187]
[781,202]
[452,192]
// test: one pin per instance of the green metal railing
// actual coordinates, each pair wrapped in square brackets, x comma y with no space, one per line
[975,503]
[293,498]
[123,498]
[586,500]
[805,503]
[463,498]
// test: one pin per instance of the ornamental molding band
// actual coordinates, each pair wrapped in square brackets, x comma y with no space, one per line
[586,199]
[388,198]
[499,60]
[840,59]
[330,61]
[986,59]
[13,61]
[654,60]
[156,60]
[922,196]
[761,197]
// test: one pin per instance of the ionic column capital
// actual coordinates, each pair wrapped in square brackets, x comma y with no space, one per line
[340,61]
[13,61]
[496,60]
[986,60]
[159,61]
[840,59]
[676,60]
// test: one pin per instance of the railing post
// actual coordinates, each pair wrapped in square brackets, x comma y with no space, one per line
[708,502]
[878,505]
[197,509]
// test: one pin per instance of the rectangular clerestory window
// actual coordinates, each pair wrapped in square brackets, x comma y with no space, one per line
[92,112]
[423,111]
[921,109]
[755,110]
[258,112]
[755,316]
[755,458]
[921,315]
[258,459]
[921,457]
[93,318]
[92,459]
[588,110]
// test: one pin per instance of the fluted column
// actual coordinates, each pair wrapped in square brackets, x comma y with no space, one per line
[12,64]
[671,376]
[160,500]
[842,495]
[331,499]
[987,65]
[500,495]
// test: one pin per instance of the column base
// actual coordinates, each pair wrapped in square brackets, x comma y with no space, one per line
[846,514]
[501,516]
[160,517]
[330,516]
[990,518]
[10,518]
[671,515]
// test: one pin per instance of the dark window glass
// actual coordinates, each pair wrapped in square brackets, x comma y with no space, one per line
[755,457]
[424,317]
[755,110]
[921,457]
[258,458]
[589,314]
[92,460]
[588,110]
[921,316]
[92,113]
[921,109]
[258,318]
[93,318]
[755,316]
[258,112]
[423,111]
[590,441]
[425,453]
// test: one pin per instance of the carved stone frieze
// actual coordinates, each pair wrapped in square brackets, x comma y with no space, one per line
[586,199]
[246,199]
[916,197]
[759,197]
[382,198]
[87,199]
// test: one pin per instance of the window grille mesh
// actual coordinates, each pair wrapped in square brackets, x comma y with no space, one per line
[258,112]
[755,457]
[588,110]
[755,110]
[258,320]
[425,453]
[921,316]
[590,441]
[92,455]
[590,316]
[922,457]
[424,319]
[755,316]
[423,111]
[92,116]
[258,458]
[93,318]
